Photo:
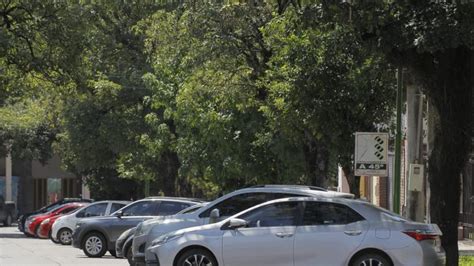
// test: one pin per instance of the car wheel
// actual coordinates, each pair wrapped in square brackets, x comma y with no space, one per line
[129,256]
[65,236]
[197,257]
[94,245]
[51,237]
[8,220]
[371,259]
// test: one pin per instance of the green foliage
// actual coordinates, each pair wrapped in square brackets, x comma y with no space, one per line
[205,96]
[199,98]
[466,260]
[325,85]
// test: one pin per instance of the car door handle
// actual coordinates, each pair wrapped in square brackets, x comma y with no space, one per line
[353,232]
[283,235]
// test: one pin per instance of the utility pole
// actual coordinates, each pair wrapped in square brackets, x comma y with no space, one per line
[415,169]
[8,174]
[147,188]
[398,143]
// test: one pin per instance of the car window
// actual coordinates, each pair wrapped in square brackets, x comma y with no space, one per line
[327,213]
[115,207]
[171,207]
[237,203]
[191,209]
[94,210]
[142,208]
[278,214]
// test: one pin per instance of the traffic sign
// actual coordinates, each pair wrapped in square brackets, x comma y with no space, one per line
[371,154]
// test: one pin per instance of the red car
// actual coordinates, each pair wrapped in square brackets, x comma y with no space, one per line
[44,230]
[33,223]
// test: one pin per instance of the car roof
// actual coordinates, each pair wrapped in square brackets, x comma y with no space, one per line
[303,190]
[191,200]
[291,186]
[113,201]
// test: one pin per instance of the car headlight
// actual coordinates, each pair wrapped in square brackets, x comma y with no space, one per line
[45,221]
[166,238]
[144,228]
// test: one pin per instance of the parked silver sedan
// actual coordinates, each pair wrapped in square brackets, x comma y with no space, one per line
[300,232]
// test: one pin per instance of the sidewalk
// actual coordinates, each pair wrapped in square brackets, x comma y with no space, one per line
[466,247]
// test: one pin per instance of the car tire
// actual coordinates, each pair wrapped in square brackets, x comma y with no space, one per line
[51,237]
[94,245]
[373,259]
[129,256]
[8,220]
[202,255]
[65,236]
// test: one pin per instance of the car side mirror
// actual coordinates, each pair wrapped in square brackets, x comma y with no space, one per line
[80,215]
[214,216]
[119,214]
[235,223]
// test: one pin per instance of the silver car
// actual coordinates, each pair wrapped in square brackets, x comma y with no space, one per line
[303,232]
[219,209]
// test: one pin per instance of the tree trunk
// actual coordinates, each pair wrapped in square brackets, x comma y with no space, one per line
[170,166]
[354,181]
[317,161]
[447,77]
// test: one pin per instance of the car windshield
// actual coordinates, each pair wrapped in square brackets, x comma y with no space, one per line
[386,214]
[54,209]
[50,207]
[192,209]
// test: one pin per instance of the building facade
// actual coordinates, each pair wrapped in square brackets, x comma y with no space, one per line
[35,184]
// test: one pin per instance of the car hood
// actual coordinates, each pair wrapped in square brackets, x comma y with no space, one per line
[157,220]
[67,217]
[42,216]
[200,228]
[173,224]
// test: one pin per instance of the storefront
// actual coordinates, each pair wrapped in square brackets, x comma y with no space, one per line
[35,184]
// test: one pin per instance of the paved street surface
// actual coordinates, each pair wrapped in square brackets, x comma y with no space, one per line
[17,250]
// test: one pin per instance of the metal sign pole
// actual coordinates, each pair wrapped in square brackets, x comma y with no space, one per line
[398,143]
[8,177]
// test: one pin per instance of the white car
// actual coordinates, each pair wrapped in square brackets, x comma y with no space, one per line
[63,227]
[303,232]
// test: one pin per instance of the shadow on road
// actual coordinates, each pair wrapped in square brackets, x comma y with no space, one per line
[13,235]
[104,257]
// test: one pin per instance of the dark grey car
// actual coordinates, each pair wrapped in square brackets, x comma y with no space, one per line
[95,236]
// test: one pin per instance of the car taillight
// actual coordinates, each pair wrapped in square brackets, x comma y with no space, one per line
[419,235]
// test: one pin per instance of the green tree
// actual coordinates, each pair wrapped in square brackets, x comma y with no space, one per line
[433,40]
[326,85]
[86,52]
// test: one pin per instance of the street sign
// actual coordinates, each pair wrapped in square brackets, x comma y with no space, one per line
[371,154]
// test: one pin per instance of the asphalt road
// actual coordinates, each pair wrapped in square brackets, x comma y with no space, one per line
[17,250]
